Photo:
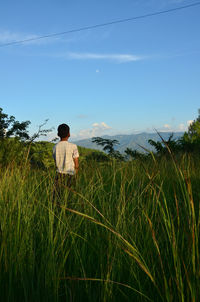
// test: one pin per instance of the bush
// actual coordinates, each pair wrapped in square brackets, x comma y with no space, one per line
[97,156]
[11,151]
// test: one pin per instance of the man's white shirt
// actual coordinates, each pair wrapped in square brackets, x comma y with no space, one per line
[64,154]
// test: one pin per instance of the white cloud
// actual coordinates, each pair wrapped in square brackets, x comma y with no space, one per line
[167,126]
[164,128]
[97,129]
[104,125]
[120,58]
[176,128]
[101,126]
[189,122]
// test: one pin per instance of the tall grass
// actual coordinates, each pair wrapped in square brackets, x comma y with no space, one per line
[126,232]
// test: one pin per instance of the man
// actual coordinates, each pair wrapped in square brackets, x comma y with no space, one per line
[66,157]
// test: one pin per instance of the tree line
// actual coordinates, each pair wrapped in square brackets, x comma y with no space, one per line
[14,135]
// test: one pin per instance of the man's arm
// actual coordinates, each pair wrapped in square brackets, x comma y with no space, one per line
[76,164]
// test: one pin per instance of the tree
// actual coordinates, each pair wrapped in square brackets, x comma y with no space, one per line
[162,147]
[193,133]
[12,137]
[108,146]
[134,154]
[190,141]
[9,127]
[16,144]
[157,145]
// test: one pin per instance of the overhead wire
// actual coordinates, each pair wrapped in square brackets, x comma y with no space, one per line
[101,24]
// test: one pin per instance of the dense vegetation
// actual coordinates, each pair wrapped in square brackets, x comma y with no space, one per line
[128,230]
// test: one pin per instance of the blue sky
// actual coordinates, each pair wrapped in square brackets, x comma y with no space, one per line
[123,78]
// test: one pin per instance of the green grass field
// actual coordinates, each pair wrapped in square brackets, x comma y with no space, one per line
[128,231]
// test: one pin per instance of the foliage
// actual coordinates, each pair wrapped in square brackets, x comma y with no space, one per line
[12,136]
[40,155]
[134,154]
[189,142]
[97,156]
[10,127]
[41,132]
[16,145]
[11,151]
[162,147]
[108,146]
[191,139]
[193,133]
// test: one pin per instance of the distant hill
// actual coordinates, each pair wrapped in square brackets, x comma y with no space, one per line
[133,141]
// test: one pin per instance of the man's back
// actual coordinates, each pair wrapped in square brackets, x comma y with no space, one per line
[64,154]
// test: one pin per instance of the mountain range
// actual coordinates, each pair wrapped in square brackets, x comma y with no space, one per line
[133,141]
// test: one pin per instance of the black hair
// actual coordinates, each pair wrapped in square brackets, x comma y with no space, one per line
[63,130]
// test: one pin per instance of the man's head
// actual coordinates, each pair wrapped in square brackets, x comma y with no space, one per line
[63,131]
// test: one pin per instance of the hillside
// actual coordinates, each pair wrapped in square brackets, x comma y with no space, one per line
[133,141]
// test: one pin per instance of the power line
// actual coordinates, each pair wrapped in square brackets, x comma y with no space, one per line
[102,24]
